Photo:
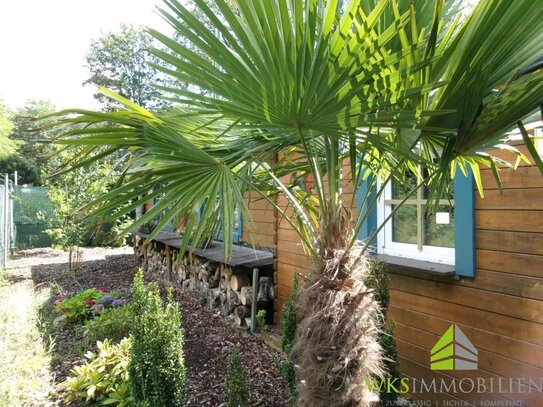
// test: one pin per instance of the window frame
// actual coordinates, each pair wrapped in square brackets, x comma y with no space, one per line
[419,251]
[464,214]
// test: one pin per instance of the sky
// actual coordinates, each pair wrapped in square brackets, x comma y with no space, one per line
[43,45]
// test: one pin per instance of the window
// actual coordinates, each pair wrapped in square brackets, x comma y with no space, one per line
[237,229]
[172,226]
[420,232]
[416,230]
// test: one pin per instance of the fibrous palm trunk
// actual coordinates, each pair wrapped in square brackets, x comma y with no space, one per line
[337,346]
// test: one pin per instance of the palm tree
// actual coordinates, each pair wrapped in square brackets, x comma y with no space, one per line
[361,92]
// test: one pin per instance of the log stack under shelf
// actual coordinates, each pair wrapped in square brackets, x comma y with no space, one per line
[220,286]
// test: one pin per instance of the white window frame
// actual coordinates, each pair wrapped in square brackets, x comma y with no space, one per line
[386,246]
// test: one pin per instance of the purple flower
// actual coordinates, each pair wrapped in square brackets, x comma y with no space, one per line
[106,300]
[118,303]
[97,308]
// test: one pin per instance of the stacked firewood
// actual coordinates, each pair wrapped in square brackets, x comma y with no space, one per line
[139,248]
[223,288]
[156,259]
[228,290]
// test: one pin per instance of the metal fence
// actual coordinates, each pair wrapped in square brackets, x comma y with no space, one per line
[6,220]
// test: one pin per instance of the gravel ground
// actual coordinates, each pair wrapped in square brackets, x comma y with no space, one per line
[208,338]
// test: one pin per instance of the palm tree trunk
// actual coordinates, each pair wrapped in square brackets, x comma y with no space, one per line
[337,346]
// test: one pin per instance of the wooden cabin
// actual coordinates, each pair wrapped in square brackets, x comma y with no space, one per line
[496,298]
[490,287]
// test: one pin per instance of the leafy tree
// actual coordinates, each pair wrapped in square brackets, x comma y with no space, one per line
[27,171]
[7,145]
[121,61]
[380,88]
[71,190]
[32,154]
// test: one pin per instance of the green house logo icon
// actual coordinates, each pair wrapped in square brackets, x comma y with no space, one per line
[453,351]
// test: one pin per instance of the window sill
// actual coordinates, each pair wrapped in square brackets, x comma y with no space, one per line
[402,265]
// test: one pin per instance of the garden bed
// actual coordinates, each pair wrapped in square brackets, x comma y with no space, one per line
[208,338]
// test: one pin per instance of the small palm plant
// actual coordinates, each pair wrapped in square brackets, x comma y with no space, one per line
[339,92]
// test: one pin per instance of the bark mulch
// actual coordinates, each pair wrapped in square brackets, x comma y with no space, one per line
[208,338]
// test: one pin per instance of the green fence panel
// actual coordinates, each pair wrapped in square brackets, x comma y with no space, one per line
[31,211]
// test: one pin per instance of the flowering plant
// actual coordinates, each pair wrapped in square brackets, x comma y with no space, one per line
[112,323]
[108,299]
[86,304]
[79,307]
[60,296]
[118,303]
[107,302]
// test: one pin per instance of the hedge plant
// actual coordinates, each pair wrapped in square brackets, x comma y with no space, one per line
[237,394]
[157,367]
[288,328]
[379,280]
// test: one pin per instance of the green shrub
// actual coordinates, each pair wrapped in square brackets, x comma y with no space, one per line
[379,280]
[157,368]
[386,339]
[103,379]
[79,307]
[261,319]
[237,394]
[110,323]
[288,319]
[288,328]
[288,373]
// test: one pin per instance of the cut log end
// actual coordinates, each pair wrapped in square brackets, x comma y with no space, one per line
[246,295]
[237,281]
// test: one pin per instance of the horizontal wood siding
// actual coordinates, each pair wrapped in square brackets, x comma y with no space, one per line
[500,310]
[259,230]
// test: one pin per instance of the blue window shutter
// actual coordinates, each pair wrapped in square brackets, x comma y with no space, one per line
[371,222]
[464,228]
[237,232]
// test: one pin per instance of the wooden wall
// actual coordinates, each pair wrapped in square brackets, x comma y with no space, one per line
[500,310]
[260,230]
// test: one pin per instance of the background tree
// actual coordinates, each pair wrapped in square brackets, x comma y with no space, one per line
[69,191]
[7,145]
[31,157]
[380,88]
[121,61]
[27,171]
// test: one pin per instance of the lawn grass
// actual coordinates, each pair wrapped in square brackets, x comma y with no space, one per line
[25,377]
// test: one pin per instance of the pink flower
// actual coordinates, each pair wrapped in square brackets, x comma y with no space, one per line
[103,289]
[57,301]
[89,302]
